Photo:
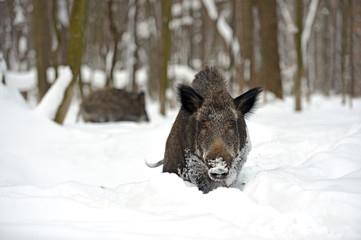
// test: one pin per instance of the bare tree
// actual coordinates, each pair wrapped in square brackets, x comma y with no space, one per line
[247,44]
[166,43]
[133,44]
[352,62]
[153,68]
[270,71]
[78,17]
[326,58]
[42,48]
[117,26]
[3,68]
[345,48]
[299,71]
[56,26]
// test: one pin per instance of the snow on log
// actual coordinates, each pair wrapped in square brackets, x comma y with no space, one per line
[54,96]
[211,9]
[222,27]
[291,26]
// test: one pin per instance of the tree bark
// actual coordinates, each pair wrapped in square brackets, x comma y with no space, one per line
[326,58]
[214,23]
[238,30]
[77,22]
[352,65]
[113,30]
[134,62]
[299,73]
[152,53]
[270,73]
[40,45]
[344,48]
[247,44]
[166,17]
[55,54]
[117,26]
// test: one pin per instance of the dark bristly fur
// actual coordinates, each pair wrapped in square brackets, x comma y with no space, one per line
[210,129]
[112,105]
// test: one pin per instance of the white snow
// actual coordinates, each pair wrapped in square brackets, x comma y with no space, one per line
[63,15]
[19,14]
[52,99]
[181,73]
[218,166]
[23,44]
[89,181]
[23,81]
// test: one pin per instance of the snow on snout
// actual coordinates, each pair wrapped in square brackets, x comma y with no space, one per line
[218,166]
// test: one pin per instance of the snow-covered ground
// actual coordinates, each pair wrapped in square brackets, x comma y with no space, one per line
[89,181]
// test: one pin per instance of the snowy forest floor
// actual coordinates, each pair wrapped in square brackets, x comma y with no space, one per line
[89,181]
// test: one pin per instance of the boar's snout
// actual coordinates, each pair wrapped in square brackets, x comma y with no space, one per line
[218,161]
[218,170]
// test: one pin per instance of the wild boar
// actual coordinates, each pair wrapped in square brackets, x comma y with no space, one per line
[112,105]
[209,143]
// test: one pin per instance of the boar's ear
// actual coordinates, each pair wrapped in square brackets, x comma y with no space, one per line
[246,101]
[189,98]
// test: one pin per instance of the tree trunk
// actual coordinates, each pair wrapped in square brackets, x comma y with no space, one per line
[202,45]
[55,54]
[132,47]
[190,35]
[325,81]
[238,31]
[298,77]
[3,68]
[232,62]
[40,45]
[270,73]
[135,50]
[77,22]
[345,18]
[352,66]
[117,17]
[113,30]
[334,53]
[166,17]
[214,22]
[152,68]
[247,45]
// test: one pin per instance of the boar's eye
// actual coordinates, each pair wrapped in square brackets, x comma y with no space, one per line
[205,125]
[230,125]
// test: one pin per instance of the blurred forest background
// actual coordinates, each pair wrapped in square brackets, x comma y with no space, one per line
[297,47]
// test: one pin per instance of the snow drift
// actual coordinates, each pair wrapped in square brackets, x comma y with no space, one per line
[89,181]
